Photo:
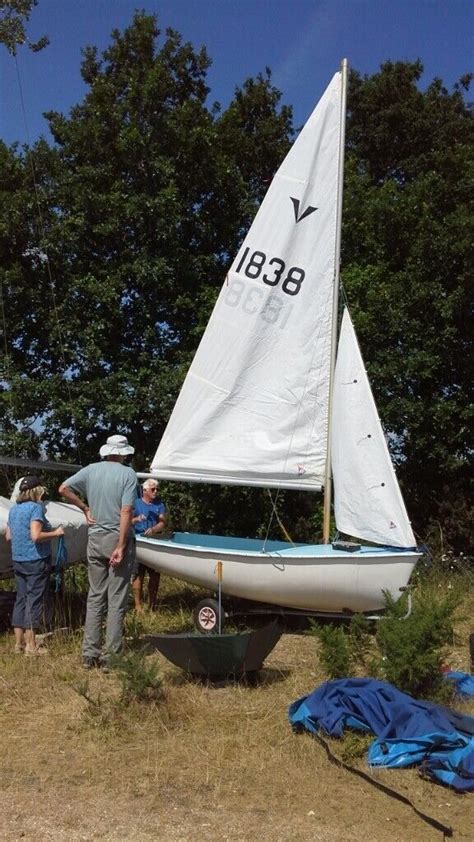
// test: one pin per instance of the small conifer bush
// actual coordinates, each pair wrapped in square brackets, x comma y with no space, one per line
[408,651]
[335,654]
[412,650]
[140,678]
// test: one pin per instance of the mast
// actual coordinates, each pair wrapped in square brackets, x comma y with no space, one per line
[335,303]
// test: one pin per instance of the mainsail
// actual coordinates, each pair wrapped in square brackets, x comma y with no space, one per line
[253,409]
[367,500]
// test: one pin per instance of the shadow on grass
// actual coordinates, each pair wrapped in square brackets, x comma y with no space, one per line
[68,609]
[264,677]
[240,614]
[62,609]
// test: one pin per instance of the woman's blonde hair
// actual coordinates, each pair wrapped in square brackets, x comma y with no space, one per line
[32,495]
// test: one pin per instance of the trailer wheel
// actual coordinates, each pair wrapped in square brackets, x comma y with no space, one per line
[206,617]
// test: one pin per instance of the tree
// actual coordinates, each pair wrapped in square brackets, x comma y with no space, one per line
[14,14]
[20,296]
[406,258]
[144,196]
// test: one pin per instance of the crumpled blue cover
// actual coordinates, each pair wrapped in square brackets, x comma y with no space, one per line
[464,683]
[408,730]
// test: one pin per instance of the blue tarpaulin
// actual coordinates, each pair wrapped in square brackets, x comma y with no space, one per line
[408,731]
[464,683]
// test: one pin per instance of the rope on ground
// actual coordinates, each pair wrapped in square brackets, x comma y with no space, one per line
[444,829]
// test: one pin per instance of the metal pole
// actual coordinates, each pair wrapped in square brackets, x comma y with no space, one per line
[335,301]
[219,593]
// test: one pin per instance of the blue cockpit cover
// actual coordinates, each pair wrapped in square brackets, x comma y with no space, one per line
[408,731]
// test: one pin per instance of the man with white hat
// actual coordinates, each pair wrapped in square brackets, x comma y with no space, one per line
[110,489]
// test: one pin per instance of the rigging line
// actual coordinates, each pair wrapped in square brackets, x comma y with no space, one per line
[47,262]
[278,519]
[272,514]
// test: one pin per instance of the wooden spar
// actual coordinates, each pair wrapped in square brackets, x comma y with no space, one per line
[335,304]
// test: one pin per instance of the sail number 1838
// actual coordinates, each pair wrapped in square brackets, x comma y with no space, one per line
[291,279]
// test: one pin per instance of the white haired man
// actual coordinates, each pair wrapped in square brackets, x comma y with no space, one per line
[148,520]
[110,488]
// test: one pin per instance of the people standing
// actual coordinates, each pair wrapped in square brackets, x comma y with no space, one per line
[30,534]
[148,520]
[106,492]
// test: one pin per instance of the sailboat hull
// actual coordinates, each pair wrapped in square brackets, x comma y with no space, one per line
[308,577]
[58,514]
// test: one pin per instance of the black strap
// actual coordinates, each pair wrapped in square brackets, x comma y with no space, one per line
[444,829]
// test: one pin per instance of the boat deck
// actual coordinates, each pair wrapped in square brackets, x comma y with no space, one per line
[257,546]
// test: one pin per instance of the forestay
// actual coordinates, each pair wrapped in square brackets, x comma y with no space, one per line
[367,499]
[253,409]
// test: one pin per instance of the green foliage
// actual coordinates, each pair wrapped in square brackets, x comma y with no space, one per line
[14,14]
[82,688]
[360,639]
[247,512]
[407,651]
[76,579]
[335,654]
[355,745]
[344,649]
[101,714]
[139,677]
[133,627]
[413,649]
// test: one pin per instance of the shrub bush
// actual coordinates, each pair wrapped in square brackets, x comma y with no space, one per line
[412,650]
[335,654]
[140,679]
[408,651]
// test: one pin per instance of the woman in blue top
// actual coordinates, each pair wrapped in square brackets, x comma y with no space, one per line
[30,534]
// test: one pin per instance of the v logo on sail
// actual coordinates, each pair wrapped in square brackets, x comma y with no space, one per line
[296,208]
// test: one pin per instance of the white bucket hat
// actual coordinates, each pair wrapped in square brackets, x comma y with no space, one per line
[116,446]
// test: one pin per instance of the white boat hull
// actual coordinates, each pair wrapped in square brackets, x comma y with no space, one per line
[58,514]
[307,577]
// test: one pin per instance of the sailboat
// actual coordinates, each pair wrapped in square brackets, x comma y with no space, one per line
[265,403]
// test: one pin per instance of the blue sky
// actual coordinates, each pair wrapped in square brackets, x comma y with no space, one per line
[302,41]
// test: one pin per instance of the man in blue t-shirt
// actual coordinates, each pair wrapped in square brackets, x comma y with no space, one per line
[148,520]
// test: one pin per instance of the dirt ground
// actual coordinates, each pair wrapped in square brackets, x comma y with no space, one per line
[216,761]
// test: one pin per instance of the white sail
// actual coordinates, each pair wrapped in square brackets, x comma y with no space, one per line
[367,499]
[253,408]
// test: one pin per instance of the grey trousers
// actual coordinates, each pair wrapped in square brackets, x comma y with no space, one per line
[108,592]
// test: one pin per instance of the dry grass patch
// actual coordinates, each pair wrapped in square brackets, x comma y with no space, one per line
[215,759]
